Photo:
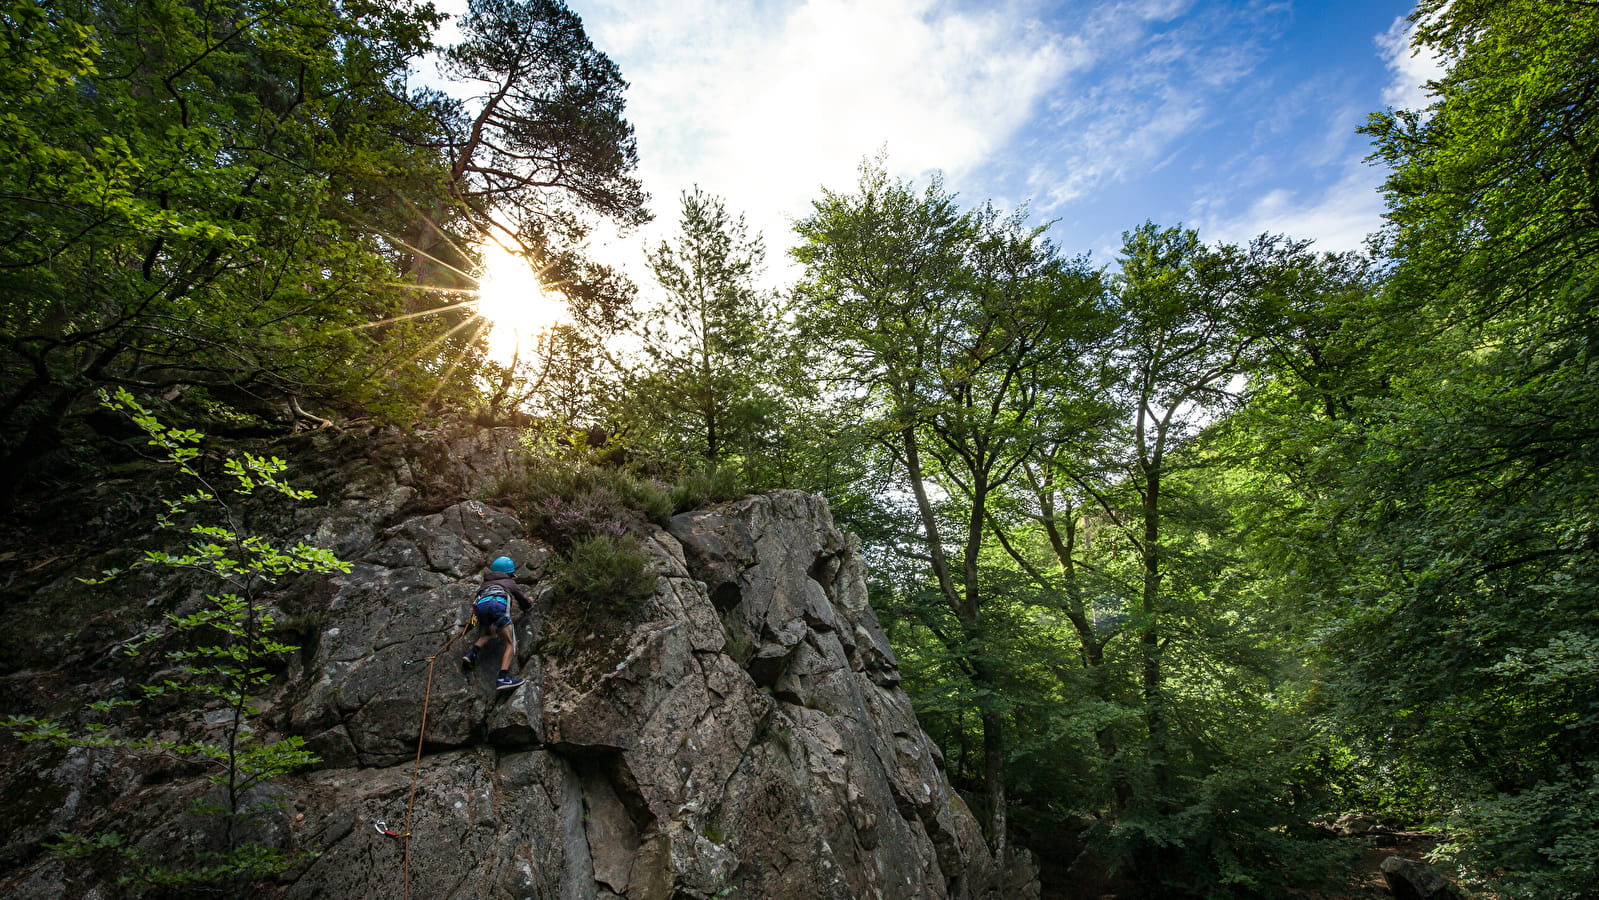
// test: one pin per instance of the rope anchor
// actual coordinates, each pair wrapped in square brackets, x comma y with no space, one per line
[383,828]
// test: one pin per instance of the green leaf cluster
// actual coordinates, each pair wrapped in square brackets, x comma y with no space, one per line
[236,206]
[220,656]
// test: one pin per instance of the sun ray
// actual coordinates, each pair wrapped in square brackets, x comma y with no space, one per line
[472,323]
[421,313]
[446,237]
[507,311]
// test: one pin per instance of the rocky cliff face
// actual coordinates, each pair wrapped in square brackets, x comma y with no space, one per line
[743,734]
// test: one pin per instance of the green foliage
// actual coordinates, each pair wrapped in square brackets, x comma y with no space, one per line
[1541,842]
[607,570]
[720,380]
[1433,472]
[220,656]
[1416,473]
[230,204]
[180,176]
[958,339]
[1053,552]
[600,585]
[1201,548]
[1491,192]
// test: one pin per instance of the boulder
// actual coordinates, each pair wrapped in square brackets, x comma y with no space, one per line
[1408,879]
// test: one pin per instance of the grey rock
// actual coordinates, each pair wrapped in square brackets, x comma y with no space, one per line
[1408,879]
[743,730]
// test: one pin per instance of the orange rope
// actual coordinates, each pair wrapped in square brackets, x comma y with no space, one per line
[421,735]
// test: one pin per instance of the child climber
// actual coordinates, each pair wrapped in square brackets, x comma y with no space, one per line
[492,609]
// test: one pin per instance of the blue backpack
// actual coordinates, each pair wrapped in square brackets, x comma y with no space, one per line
[494,594]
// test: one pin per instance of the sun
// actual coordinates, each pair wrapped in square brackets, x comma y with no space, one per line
[510,296]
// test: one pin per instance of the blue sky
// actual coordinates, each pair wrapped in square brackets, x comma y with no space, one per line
[1232,117]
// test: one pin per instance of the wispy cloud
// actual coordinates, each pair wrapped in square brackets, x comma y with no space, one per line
[1157,69]
[1337,217]
[1343,213]
[1410,69]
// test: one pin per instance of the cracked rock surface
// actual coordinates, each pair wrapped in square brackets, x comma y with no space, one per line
[743,734]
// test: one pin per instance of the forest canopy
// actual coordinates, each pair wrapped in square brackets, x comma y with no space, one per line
[1185,555]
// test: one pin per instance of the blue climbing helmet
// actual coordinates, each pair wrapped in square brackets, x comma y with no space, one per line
[502,564]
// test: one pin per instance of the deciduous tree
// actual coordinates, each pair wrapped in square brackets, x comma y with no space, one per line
[175,212]
[953,327]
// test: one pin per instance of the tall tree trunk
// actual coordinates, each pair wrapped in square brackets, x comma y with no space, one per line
[993,721]
[1149,633]
[966,606]
[994,782]
[935,540]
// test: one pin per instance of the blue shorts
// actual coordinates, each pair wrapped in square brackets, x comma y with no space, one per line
[492,615]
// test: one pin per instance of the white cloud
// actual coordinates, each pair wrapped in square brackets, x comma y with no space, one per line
[1338,217]
[1410,69]
[1114,143]
[763,104]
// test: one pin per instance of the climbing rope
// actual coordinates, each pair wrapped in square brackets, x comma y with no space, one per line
[421,736]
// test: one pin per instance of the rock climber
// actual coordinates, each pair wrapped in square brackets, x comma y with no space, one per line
[492,610]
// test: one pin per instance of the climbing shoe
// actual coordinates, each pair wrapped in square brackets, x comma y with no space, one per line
[507,683]
[468,663]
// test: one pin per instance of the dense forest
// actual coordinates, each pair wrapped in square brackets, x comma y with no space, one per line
[1182,554]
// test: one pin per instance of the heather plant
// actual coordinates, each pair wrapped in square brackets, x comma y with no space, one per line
[600,586]
[564,521]
[566,491]
[608,569]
